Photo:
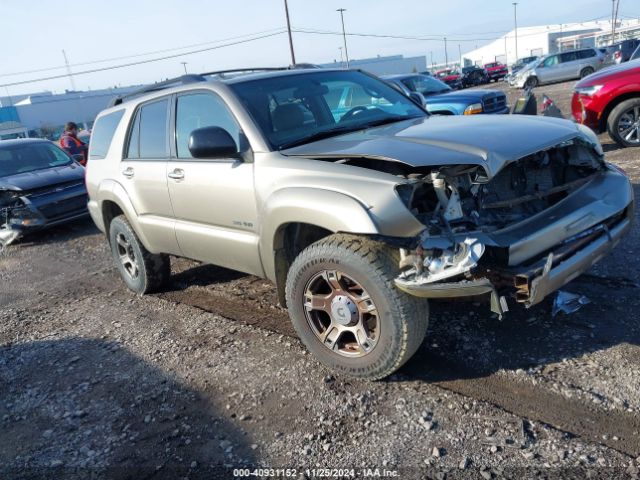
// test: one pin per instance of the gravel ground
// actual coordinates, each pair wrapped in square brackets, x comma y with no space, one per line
[207,376]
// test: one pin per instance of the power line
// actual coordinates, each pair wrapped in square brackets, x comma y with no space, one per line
[137,55]
[141,62]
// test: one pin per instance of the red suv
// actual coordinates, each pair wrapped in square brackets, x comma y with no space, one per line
[496,70]
[610,100]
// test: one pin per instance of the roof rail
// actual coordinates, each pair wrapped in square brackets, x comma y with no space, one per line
[243,70]
[296,66]
[153,87]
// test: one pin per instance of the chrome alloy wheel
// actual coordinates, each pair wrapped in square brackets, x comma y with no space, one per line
[127,256]
[341,314]
[629,125]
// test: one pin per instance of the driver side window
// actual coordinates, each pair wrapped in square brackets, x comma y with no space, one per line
[200,110]
[551,61]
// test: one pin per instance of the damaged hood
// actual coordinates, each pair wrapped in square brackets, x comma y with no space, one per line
[42,178]
[490,141]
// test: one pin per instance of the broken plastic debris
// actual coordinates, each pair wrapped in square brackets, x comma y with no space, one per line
[567,302]
[7,236]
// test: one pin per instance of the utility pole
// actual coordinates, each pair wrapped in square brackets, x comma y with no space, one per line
[344,35]
[184,64]
[293,55]
[446,55]
[515,22]
[614,17]
[66,62]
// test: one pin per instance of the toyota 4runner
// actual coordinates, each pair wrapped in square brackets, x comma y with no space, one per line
[356,203]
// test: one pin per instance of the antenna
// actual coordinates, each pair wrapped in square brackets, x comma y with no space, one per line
[66,62]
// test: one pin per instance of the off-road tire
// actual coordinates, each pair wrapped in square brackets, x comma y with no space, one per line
[154,270]
[532,82]
[586,71]
[614,119]
[403,318]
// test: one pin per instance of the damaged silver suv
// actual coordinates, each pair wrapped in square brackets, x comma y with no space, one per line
[356,203]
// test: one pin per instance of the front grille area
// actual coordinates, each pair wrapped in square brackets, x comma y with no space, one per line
[46,190]
[64,208]
[494,103]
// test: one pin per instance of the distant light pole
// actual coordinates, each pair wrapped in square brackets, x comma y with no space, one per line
[344,35]
[460,54]
[446,55]
[431,59]
[184,65]
[341,58]
[293,55]
[515,22]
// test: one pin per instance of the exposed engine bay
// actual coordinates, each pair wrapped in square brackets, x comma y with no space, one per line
[472,223]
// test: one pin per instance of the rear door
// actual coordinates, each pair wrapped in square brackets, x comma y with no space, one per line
[213,200]
[570,66]
[143,173]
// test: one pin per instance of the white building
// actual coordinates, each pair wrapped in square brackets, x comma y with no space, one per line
[542,40]
[45,113]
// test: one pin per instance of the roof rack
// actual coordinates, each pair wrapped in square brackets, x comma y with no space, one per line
[201,77]
[171,82]
[244,70]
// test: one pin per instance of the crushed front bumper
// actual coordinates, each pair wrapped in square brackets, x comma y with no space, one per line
[540,255]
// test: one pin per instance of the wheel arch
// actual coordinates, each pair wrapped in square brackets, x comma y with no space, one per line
[604,118]
[114,201]
[294,218]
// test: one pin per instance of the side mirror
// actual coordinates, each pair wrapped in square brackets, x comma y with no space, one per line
[418,98]
[212,142]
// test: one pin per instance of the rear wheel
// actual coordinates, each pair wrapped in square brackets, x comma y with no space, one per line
[623,124]
[586,71]
[531,82]
[347,311]
[141,270]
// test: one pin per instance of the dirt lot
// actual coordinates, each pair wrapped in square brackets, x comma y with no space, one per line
[207,376]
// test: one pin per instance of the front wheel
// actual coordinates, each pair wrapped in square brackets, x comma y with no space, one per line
[347,311]
[623,124]
[531,82]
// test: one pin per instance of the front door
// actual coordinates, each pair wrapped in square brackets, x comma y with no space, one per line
[213,200]
[550,69]
[143,173]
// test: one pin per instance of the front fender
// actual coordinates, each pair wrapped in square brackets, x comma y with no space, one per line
[330,210]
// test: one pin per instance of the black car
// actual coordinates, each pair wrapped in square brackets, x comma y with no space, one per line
[40,186]
[474,76]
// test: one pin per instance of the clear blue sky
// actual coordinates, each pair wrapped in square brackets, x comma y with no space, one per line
[35,33]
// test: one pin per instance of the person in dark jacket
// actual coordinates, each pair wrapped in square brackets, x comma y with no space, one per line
[71,144]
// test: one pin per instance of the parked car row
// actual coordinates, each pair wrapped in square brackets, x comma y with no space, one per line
[440,99]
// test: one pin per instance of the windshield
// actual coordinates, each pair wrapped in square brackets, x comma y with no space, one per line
[298,108]
[15,159]
[425,85]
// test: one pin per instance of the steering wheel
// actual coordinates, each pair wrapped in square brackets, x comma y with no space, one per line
[353,112]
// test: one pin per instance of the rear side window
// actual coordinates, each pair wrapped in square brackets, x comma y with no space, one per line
[102,134]
[568,57]
[586,53]
[148,136]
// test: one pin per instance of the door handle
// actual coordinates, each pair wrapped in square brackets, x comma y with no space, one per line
[128,172]
[177,174]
